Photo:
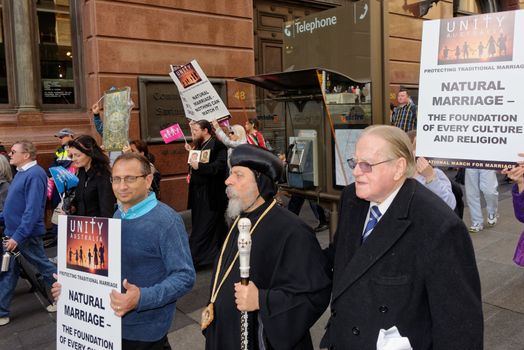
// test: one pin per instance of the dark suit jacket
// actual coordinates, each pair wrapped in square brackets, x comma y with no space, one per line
[416,271]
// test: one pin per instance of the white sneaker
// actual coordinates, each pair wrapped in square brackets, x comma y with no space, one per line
[476,228]
[4,321]
[492,219]
[51,308]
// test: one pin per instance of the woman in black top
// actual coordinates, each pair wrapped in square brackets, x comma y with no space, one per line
[140,147]
[94,193]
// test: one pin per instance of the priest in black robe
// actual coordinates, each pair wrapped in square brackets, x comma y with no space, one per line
[289,286]
[207,199]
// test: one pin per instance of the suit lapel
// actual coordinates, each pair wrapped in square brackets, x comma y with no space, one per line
[354,216]
[388,231]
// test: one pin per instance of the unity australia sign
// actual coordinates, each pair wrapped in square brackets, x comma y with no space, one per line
[470,101]
[89,268]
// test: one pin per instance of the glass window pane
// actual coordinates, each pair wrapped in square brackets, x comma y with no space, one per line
[56,52]
[471,6]
[4,97]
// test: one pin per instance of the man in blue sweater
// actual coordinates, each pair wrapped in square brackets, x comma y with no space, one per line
[23,217]
[156,261]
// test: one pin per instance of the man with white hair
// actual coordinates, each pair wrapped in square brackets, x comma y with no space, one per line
[289,284]
[400,257]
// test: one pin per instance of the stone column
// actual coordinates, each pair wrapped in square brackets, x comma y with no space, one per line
[26,76]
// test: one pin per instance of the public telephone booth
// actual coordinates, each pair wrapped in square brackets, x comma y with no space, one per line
[317,114]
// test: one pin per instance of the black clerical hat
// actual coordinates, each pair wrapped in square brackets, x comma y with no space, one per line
[266,166]
[258,159]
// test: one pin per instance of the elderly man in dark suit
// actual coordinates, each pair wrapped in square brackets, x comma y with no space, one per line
[400,257]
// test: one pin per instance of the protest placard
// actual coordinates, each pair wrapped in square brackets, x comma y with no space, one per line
[88,269]
[63,178]
[224,122]
[117,112]
[172,133]
[199,97]
[470,111]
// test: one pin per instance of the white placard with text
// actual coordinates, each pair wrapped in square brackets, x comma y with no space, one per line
[199,97]
[471,106]
[88,269]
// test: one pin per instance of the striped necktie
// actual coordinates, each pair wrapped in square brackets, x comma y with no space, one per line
[374,215]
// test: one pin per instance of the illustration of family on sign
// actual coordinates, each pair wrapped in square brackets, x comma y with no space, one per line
[90,259]
[479,52]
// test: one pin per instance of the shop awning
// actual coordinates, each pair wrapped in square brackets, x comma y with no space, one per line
[298,81]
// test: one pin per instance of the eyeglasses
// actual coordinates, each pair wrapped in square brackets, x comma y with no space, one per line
[365,166]
[127,179]
[14,152]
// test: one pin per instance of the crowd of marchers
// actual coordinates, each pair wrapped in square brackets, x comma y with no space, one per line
[401,256]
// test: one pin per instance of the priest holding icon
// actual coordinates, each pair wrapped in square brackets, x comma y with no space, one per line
[206,198]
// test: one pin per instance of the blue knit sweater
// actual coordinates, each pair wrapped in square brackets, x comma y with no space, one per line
[156,258]
[25,204]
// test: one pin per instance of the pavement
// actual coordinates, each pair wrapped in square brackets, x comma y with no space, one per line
[502,281]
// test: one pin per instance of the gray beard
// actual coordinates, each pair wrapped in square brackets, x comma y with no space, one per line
[235,206]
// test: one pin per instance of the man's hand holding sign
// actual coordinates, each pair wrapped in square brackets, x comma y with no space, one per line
[122,303]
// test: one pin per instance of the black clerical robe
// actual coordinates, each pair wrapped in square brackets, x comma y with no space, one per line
[207,201]
[289,269]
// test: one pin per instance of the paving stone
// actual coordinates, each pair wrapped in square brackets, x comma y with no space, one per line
[501,251]
[9,340]
[32,338]
[193,301]
[187,338]
[484,239]
[503,331]
[196,315]
[26,312]
[181,320]
[510,295]
[489,311]
[48,346]
[493,276]
[508,228]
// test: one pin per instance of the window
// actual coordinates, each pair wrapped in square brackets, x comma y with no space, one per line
[469,7]
[463,7]
[57,74]
[39,46]
[4,96]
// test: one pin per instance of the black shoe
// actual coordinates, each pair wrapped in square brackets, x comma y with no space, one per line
[321,227]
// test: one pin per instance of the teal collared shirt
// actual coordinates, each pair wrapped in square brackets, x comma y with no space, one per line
[139,209]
